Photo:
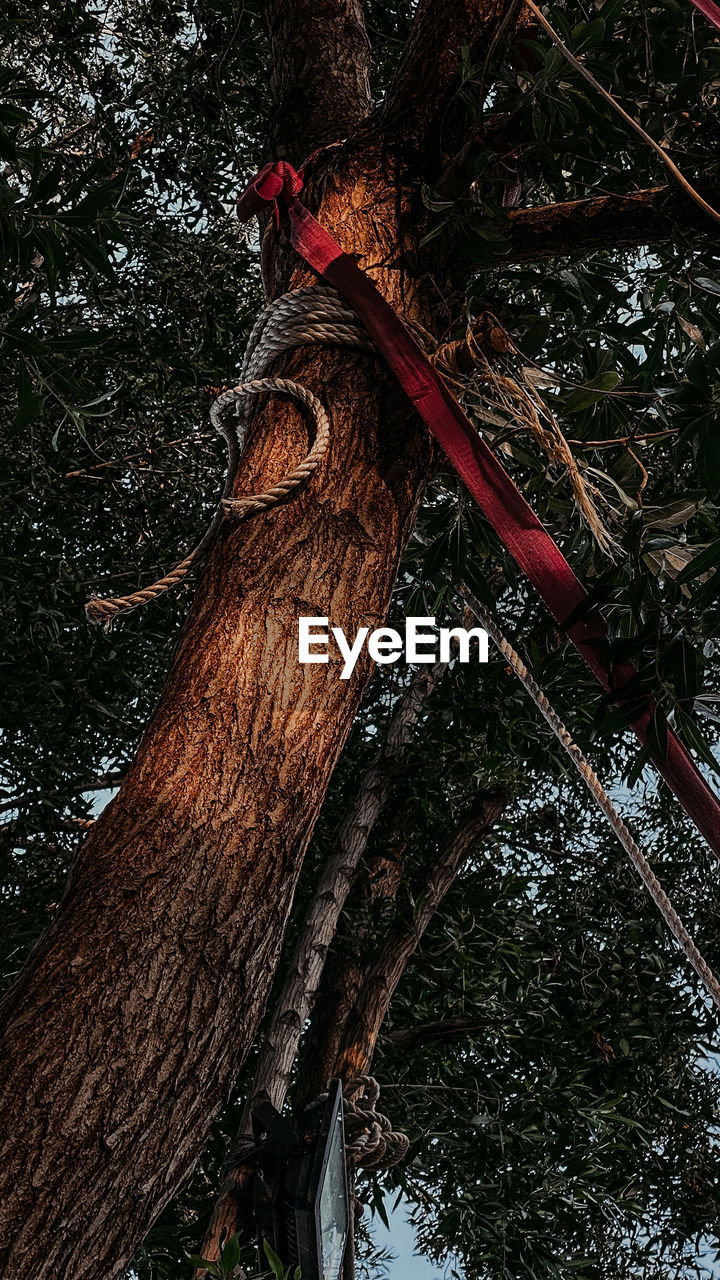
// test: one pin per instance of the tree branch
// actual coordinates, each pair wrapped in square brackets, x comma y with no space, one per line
[430,70]
[604,222]
[295,1001]
[319,78]
[27,798]
[380,983]
[406,1039]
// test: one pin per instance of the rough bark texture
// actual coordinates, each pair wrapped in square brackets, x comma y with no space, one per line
[380,980]
[317,99]
[290,1012]
[123,1035]
[355,996]
[277,1056]
[605,222]
[125,1032]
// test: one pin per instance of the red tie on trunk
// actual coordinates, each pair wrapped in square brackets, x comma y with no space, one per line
[503,505]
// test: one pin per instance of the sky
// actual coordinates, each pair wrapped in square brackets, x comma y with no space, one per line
[400,1241]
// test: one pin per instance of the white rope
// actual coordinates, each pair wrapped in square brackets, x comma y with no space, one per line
[305,316]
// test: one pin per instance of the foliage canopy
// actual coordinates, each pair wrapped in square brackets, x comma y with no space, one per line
[575,1132]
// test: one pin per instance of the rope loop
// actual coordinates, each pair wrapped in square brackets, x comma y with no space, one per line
[258,502]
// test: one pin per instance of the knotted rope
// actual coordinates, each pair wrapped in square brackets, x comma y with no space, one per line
[370,1140]
[316,315]
[305,316]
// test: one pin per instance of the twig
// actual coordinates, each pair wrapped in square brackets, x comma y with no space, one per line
[587,75]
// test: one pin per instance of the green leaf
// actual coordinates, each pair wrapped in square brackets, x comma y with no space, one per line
[658,734]
[92,254]
[635,770]
[710,286]
[275,1264]
[29,410]
[199,1263]
[230,1256]
[583,398]
[706,559]
[606,381]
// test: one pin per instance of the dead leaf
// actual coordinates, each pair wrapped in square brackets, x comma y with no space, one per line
[692,332]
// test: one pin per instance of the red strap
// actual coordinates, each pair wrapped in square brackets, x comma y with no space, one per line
[501,502]
[710,9]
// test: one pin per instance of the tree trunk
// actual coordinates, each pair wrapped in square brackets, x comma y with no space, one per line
[379,981]
[126,1030]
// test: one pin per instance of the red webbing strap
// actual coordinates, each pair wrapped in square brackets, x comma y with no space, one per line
[709,9]
[503,505]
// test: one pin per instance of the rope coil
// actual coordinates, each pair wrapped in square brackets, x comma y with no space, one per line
[303,317]
[370,1140]
[317,315]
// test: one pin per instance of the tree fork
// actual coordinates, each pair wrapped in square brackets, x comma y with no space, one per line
[297,995]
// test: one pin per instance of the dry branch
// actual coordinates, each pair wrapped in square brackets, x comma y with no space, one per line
[604,222]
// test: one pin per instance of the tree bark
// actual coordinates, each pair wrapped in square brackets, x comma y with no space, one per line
[362,1028]
[290,1013]
[604,222]
[124,1034]
[355,996]
[126,1030]
[319,79]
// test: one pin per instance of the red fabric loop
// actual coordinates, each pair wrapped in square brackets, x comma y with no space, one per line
[501,502]
[274,180]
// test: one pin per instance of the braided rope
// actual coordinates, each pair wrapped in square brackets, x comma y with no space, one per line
[600,795]
[306,316]
[317,315]
[370,1140]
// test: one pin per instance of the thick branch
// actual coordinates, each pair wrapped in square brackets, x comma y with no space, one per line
[605,222]
[429,72]
[363,1026]
[280,1045]
[272,1074]
[320,63]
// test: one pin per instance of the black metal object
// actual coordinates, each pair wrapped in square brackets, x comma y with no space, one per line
[301,1195]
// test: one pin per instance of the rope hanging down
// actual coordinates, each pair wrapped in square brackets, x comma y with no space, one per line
[315,315]
[307,315]
[602,799]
